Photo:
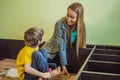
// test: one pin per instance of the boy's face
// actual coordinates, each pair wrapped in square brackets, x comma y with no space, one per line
[40,42]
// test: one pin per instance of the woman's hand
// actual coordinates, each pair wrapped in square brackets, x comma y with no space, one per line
[64,71]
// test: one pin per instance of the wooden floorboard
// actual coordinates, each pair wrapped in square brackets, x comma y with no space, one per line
[7,64]
[64,77]
[59,77]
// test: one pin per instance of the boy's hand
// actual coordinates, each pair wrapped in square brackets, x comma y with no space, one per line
[47,75]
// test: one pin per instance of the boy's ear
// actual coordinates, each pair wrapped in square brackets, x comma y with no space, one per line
[35,42]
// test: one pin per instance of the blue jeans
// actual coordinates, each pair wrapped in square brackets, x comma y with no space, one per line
[39,62]
[55,60]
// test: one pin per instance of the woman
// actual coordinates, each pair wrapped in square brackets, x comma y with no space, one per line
[69,32]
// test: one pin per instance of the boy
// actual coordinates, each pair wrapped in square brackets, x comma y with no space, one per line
[32,63]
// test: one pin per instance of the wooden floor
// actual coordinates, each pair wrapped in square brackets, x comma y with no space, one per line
[57,78]
[7,64]
[60,77]
[64,77]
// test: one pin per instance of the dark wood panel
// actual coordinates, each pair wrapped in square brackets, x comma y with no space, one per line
[98,76]
[108,47]
[108,51]
[103,66]
[9,48]
[74,64]
[105,57]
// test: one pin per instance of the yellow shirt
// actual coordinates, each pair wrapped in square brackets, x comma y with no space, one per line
[24,57]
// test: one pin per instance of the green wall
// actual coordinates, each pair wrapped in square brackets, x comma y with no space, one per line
[102,18]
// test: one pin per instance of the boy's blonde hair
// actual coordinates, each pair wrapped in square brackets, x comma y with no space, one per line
[33,35]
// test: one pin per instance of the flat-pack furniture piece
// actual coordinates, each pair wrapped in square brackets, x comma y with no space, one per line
[75,62]
[95,62]
[9,48]
[103,63]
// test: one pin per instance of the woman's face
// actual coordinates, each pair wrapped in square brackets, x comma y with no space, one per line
[71,17]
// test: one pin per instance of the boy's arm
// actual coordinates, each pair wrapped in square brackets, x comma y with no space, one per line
[32,71]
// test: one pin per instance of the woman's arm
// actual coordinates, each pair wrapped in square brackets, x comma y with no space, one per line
[60,35]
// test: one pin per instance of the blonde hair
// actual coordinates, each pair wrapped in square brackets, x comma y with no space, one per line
[81,34]
[33,35]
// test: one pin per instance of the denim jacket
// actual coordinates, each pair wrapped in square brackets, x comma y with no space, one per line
[57,42]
